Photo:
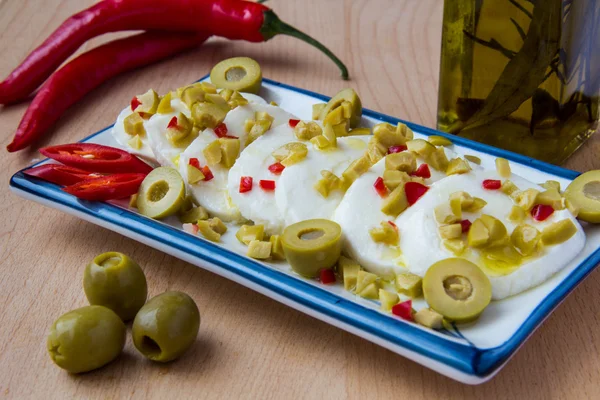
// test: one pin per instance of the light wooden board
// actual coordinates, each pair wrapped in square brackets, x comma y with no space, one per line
[250,346]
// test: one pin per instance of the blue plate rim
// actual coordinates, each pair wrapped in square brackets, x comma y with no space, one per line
[465,358]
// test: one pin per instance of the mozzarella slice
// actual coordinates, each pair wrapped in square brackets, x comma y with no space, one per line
[156,127]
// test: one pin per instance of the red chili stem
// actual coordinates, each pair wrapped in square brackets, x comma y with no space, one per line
[77,78]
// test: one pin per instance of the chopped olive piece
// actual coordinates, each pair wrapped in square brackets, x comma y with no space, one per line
[409,284]
[277,252]
[403,161]
[558,232]
[508,187]
[444,214]
[191,95]
[217,225]
[439,141]
[421,147]
[335,117]
[208,87]
[328,183]
[385,233]
[392,179]
[207,231]
[573,209]
[345,95]
[550,184]
[389,135]
[457,166]
[248,233]
[193,215]
[207,115]
[456,246]
[259,250]
[161,193]
[478,235]
[133,201]
[320,142]
[239,73]
[583,194]
[317,109]
[496,230]
[179,130]
[388,299]
[312,245]
[134,125]
[230,150]
[463,198]
[307,130]
[135,142]
[457,289]
[429,318]
[525,198]
[257,129]
[525,239]
[395,202]
[503,167]
[227,94]
[194,175]
[375,150]
[147,102]
[438,160]
[329,134]
[356,169]
[517,214]
[473,159]
[237,100]
[164,107]
[212,152]
[550,197]
[348,268]
[450,231]
[217,100]
[367,285]
[290,153]
[478,204]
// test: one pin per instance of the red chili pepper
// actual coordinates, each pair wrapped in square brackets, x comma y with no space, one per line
[403,310]
[135,103]
[208,175]
[172,123]
[327,276]
[60,174]
[96,158]
[245,184]
[422,172]
[194,162]
[277,168]
[293,122]
[231,19]
[380,187]
[78,77]
[393,225]
[109,187]
[492,184]
[541,212]
[414,191]
[221,130]
[396,149]
[266,185]
[465,225]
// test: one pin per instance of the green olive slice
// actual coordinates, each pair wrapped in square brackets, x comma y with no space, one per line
[457,289]
[161,193]
[312,245]
[584,193]
[336,101]
[239,73]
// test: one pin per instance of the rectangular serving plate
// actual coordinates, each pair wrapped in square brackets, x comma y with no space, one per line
[472,354]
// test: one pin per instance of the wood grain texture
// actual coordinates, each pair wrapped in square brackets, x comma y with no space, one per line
[250,346]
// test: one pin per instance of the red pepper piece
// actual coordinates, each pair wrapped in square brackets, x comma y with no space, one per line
[231,19]
[109,187]
[403,310]
[135,103]
[208,175]
[422,172]
[71,83]
[393,225]
[96,158]
[293,122]
[245,184]
[266,185]
[492,184]
[541,212]
[380,187]
[465,225]
[396,149]
[276,168]
[414,191]
[173,123]
[60,174]
[221,130]
[327,276]
[194,162]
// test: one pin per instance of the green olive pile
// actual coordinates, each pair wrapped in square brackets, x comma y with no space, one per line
[90,337]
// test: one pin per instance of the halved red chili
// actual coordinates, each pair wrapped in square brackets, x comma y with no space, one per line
[111,187]
[293,122]
[422,172]
[492,184]
[396,149]
[277,168]
[380,187]
[245,184]
[414,191]
[208,175]
[60,174]
[96,158]
[403,310]
[266,185]
[327,276]
[541,212]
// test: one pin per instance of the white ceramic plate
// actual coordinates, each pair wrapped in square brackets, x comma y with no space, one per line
[471,353]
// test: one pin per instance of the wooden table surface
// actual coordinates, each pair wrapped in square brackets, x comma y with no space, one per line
[250,346]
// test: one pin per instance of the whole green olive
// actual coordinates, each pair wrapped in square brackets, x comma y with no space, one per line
[166,326]
[86,338]
[115,281]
